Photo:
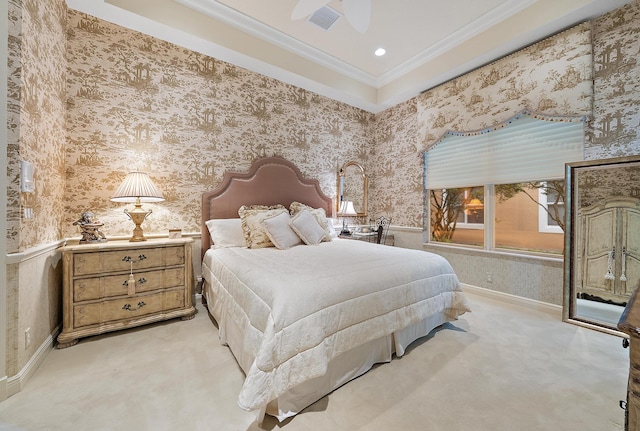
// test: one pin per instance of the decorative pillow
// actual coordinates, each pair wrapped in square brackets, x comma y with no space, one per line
[319,213]
[279,231]
[307,227]
[254,232]
[226,232]
[332,228]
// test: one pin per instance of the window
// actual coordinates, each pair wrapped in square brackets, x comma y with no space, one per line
[521,165]
[457,215]
[517,217]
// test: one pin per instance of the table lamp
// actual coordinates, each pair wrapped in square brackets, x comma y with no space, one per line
[346,210]
[137,187]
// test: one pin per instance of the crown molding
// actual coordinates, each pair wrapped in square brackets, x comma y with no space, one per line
[262,31]
[470,30]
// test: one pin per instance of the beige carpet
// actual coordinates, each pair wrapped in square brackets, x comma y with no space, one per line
[502,367]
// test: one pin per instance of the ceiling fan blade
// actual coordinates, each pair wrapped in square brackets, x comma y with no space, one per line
[358,13]
[305,8]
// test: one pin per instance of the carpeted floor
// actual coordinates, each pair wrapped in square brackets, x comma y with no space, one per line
[501,368]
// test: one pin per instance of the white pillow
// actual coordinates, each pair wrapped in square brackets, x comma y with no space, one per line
[307,227]
[319,213]
[332,229]
[226,232]
[279,231]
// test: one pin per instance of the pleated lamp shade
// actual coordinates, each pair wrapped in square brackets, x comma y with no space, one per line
[137,185]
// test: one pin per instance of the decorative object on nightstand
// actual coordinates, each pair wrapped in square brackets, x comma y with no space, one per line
[119,285]
[90,228]
[346,210]
[137,187]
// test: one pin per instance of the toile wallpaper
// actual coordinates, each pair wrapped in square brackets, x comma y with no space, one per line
[616,125]
[36,119]
[395,167]
[553,76]
[136,102]
[597,184]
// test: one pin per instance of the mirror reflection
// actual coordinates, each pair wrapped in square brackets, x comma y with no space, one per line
[603,255]
[352,187]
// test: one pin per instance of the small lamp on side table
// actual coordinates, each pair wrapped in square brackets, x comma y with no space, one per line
[137,187]
[346,210]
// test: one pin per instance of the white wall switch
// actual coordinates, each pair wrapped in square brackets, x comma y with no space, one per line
[26,177]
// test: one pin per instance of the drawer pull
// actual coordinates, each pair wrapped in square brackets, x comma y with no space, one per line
[141,257]
[128,306]
[142,280]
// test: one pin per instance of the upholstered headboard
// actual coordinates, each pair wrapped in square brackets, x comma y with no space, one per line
[269,181]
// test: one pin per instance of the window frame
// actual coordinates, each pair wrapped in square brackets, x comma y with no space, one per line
[543,215]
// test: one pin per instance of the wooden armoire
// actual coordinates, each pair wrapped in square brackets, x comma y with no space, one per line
[609,249]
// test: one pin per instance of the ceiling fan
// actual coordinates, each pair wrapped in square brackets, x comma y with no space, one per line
[357,12]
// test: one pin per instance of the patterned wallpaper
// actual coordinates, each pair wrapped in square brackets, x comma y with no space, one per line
[552,76]
[617,84]
[136,102]
[395,187]
[597,184]
[36,128]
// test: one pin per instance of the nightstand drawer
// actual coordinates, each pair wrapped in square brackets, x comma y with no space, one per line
[127,308]
[86,289]
[121,260]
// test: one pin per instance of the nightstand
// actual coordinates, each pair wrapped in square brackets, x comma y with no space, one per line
[121,284]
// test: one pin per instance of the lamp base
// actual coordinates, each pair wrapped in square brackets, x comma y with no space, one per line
[137,216]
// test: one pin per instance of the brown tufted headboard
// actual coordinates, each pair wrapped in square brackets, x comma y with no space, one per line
[269,181]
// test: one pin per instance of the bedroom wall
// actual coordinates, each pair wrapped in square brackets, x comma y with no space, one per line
[138,102]
[615,119]
[35,132]
[616,46]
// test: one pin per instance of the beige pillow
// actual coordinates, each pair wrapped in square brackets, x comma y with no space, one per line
[307,227]
[279,231]
[319,213]
[252,216]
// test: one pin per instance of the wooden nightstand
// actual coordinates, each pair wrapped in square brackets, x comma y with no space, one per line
[122,284]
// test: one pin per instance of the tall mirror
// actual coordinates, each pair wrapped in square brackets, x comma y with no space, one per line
[352,190]
[602,251]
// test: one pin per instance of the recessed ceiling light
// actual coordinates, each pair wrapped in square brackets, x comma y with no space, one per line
[380,52]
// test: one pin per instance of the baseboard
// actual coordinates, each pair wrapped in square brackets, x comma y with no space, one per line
[552,309]
[3,389]
[16,383]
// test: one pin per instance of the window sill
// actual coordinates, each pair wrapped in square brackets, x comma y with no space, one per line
[499,252]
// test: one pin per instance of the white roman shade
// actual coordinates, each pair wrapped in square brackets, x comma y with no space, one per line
[527,147]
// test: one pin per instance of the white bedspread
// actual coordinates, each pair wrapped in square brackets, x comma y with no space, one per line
[304,306]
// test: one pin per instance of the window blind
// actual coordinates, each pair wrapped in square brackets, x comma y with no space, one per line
[527,147]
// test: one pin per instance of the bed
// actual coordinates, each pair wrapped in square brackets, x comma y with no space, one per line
[303,320]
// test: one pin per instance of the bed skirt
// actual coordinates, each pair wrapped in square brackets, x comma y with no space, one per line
[341,369]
